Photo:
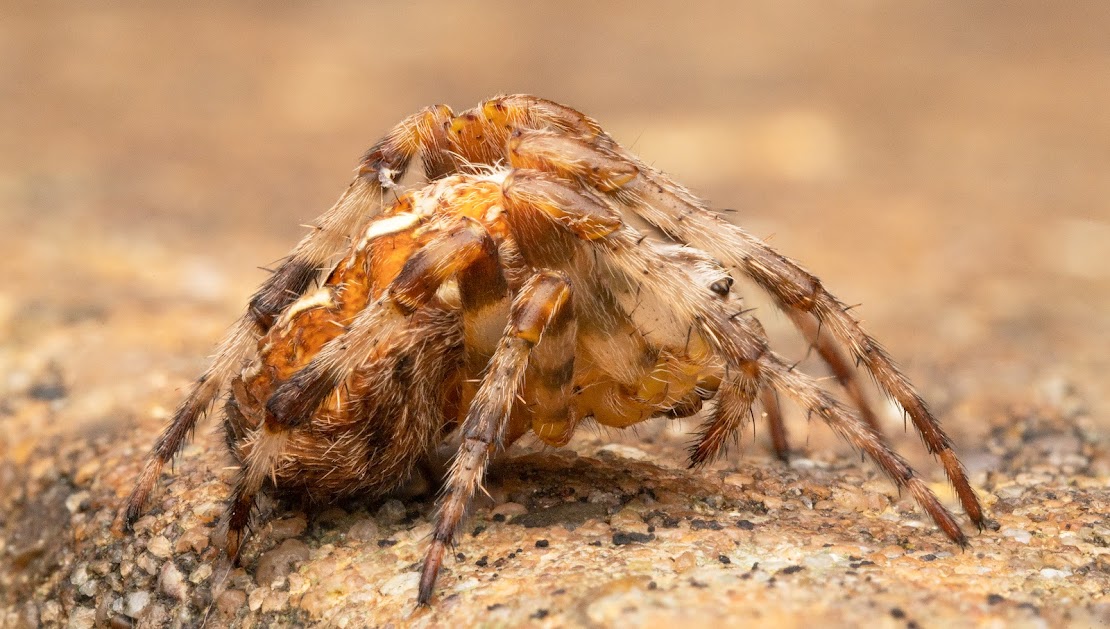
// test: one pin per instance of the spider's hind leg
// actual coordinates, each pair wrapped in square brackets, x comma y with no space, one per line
[665,204]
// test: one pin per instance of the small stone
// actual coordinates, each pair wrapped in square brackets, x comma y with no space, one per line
[256,597]
[147,563]
[82,618]
[86,472]
[1017,535]
[230,602]
[288,527]
[684,562]
[739,480]
[135,603]
[159,546]
[510,509]
[194,539]
[365,530]
[623,538]
[628,520]
[278,562]
[542,543]
[621,451]
[172,582]
[89,589]
[77,501]
[80,576]
[404,583]
[391,512]
[275,602]
[201,574]
[1052,573]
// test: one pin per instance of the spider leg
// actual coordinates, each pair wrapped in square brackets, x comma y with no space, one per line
[735,339]
[843,370]
[657,199]
[734,410]
[769,399]
[795,290]
[380,168]
[541,308]
[464,244]
[857,432]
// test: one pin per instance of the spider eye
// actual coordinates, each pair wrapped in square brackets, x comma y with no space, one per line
[721,286]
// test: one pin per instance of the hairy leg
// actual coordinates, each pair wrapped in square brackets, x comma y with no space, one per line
[541,308]
[671,208]
[465,244]
[381,167]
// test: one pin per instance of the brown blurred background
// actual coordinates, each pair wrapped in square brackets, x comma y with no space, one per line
[947,165]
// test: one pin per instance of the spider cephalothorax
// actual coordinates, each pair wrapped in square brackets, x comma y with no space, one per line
[510,294]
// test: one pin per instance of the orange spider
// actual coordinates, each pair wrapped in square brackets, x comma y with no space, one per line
[508,294]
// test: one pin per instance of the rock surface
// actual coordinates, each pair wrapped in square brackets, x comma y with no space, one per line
[945,167]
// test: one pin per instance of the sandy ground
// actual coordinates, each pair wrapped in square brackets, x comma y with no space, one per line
[945,167]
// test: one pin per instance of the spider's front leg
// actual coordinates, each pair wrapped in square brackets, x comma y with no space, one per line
[542,309]
[465,246]
[381,167]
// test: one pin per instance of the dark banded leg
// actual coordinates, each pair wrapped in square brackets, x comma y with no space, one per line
[549,394]
[769,400]
[541,307]
[674,210]
[848,425]
[741,346]
[733,412]
[679,214]
[842,369]
[380,168]
[780,442]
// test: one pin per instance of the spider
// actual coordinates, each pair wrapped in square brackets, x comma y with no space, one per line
[540,276]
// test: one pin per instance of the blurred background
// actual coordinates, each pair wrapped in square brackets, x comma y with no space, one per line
[946,165]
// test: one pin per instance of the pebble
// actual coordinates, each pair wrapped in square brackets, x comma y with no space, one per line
[365,530]
[135,603]
[404,583]
[391,512]
[1017,535]
[685,561]
[621,451]
[510,509]
[278,562]
[82,618]
[80,576]
[201,574]
[230,602]
[256,597]
[628,520]
[159,546]
[288,527]
[75,502]
[172,582]
[194,539]
[90,588]
[147,563]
